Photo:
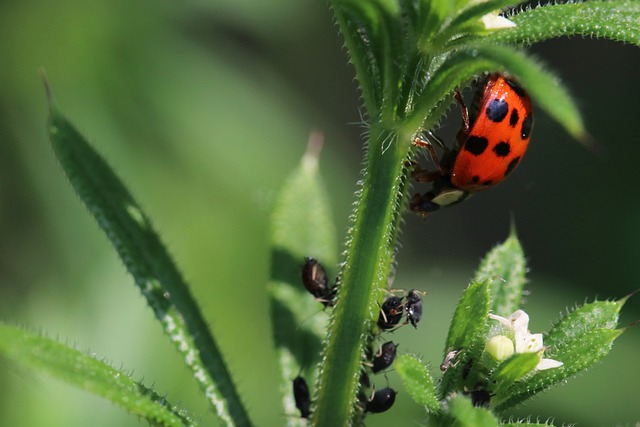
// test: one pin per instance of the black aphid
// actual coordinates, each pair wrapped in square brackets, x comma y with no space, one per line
[390,313]
[301,396]
[381,401]
[385,357]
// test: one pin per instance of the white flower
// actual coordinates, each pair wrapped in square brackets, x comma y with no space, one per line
[493,21]
[523,340]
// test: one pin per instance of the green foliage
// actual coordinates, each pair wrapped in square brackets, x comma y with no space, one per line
[410,57]
[83,371]
[579,340]
[612,19]
[505,267]
[139,247]
[301,225]
[417,381]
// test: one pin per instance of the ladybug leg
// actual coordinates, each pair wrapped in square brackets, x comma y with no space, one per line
[463,110]
[426,140]
[421,175]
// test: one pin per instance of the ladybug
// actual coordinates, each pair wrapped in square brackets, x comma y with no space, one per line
[490,145]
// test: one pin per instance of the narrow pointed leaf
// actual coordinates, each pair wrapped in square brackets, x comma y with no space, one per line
[614,20]
[505,267]
[83,371]
[470,316]
[527,424]
[139,246]
[301,225]
[513,369]
[466,335]
[595,315]
[417,381]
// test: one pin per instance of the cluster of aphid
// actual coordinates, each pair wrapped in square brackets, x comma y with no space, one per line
[392,311]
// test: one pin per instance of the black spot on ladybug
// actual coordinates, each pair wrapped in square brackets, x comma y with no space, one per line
[502,149]
[519,90]
[487,183]
[475,179]
[527,124]
[512,164]
[476,145]
[513,119]
[497,110]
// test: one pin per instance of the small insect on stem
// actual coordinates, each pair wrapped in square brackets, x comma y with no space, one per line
[381,401]
[448,360]
[314,278]
[414,307]
[301,396]
[384,357]
[390,313]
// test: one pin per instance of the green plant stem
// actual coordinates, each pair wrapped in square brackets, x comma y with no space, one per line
[367,267]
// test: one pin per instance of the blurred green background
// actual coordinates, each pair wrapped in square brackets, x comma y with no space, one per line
[203,108]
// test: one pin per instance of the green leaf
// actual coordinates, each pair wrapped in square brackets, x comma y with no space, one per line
[505,267]
[85,372]
[139,246]
[470,316]
[571,327]
[432,14]
[301,225]
[527,424]
[374,38]
[466,335]
[513,369]
[466,415]
[417,381]
[615,20]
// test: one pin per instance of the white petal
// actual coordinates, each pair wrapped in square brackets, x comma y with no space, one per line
[519,322]
[548,364]
[506,322]
[528,343]
[493,21]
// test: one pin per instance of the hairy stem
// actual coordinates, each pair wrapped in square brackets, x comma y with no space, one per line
[367,268]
